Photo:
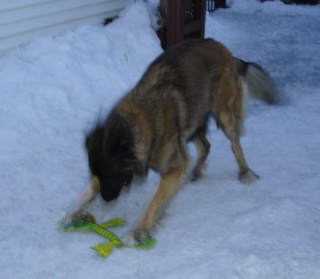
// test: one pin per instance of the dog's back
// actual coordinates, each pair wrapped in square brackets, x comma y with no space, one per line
[181,84]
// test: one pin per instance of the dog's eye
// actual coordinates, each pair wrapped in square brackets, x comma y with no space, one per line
[126,179]
[126,182]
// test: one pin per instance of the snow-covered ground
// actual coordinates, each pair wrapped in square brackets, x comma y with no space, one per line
[53,90]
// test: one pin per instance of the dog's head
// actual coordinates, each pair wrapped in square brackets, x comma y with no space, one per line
[111,155]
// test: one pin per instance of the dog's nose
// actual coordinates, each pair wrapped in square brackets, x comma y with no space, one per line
[106,197]
[109,194]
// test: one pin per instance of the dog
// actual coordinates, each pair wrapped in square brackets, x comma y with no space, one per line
[150,127]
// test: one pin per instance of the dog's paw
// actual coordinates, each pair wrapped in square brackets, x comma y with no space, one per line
[248,176]
[135,237]
[65,217]
[195,174]
[65,221]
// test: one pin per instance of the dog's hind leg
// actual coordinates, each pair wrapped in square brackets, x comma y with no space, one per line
[203,147]
[232,128]
[229,111]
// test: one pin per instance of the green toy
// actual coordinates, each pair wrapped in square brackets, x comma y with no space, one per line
[86,222]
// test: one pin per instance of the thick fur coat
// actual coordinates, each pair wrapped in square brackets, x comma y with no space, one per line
[169,107]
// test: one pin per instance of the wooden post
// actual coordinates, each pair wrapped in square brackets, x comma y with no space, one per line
[178,26]
[175,21]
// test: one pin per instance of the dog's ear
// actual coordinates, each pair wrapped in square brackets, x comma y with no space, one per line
[120,137]
[124,146]
[94,138]
[122,142]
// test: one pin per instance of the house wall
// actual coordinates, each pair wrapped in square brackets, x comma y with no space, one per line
[23,20]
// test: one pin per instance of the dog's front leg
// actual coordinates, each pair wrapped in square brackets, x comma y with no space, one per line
[87,195]
[168,186]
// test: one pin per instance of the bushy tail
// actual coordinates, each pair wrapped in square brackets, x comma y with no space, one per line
[258,81]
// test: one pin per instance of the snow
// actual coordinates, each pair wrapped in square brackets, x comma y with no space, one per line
[52,92]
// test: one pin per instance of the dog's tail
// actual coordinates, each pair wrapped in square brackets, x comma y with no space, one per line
[257,80]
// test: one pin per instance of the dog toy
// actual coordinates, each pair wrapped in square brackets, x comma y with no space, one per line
[86,222]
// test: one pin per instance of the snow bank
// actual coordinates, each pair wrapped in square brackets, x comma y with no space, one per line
[53,90]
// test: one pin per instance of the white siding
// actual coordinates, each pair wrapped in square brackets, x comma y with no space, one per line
[23,20]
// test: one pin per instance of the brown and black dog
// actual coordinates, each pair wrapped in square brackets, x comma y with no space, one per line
[169,107]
